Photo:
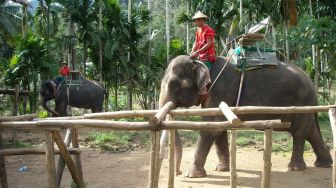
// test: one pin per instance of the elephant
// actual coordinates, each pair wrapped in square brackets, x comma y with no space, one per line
[88,95]
[186,83]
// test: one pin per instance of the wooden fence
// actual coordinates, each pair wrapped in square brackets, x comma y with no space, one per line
[156,123]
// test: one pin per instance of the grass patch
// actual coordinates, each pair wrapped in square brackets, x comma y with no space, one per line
[118,141]
[17,144]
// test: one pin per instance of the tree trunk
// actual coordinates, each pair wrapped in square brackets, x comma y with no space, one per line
[287,44]
[73,50]
[100,46]
[241,20]
[84,58]
[167,29]
[129,82]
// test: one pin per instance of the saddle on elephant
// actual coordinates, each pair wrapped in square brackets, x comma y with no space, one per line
[248,53]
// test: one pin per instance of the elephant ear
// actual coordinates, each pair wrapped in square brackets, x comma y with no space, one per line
[51,84]
[202,76]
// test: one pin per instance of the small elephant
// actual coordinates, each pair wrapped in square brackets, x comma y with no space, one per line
[185,84]
[88,95]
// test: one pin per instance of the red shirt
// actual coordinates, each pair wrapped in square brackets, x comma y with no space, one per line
[64,71]
[202,34]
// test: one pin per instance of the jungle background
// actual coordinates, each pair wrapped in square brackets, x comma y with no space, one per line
[126,45]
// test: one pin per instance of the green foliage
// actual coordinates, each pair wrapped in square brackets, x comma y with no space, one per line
[27,61]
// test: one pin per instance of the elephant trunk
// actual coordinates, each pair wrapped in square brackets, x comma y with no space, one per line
[43,103]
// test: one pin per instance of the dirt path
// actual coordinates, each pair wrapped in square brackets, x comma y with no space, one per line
[130,170]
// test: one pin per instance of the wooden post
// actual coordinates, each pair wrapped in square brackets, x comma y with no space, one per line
[266,173]
[332,118]
[233,171]
[68,161]
[171,157]
[230,116]
[77,158]
[155,147]
[3,175]
[50,157]
[61,163]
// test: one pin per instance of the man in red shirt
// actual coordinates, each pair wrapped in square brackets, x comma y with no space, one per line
[204,46]
[64,70]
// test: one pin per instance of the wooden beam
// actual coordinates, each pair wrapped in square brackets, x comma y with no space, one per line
[332,118]
[50,157]
[77,158]
[12,92]
[210,111]
[30,151]
[171,158]
[233,148]
[3,174]
[140,126]
[68,161]
[27,117]
[161,114]
[266,173]
[230,116]
[154,121]
[61,162]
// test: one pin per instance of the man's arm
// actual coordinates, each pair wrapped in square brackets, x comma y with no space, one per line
[205,47]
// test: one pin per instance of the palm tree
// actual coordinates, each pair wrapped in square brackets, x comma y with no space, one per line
[9,20]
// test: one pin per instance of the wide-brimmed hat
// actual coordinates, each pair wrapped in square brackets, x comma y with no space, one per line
[199,15]
[64,62]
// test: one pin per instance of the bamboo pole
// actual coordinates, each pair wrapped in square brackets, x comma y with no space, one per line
[230,116]
[266,173]
[61,162]
[233,171]
[50,157]
[141,126]
[171,156]
[208,111]
[29,151]
[3,175]
[13,92]
[26,125]
[27,117]
[68,161]
[77,158]
[332,118]
[154,121]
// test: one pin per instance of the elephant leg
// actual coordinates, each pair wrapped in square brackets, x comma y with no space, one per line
[204,142]
[323,158]
[178,153]
[222,148]
[297,163]
[61,108]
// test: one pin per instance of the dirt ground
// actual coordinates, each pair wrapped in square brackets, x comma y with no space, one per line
[130,170]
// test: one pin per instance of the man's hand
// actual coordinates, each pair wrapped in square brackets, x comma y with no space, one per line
[194,54]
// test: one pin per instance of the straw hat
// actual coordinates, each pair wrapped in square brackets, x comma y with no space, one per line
[64,62]
[199,15]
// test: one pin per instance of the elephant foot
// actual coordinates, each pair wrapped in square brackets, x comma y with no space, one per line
[178,172]
[323,163]
[223,167]
[297,165]
[196,173]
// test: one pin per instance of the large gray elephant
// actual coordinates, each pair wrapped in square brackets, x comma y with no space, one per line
[185,83]
[88,95]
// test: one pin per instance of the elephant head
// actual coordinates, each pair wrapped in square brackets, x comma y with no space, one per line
[185,82]
[47,93]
